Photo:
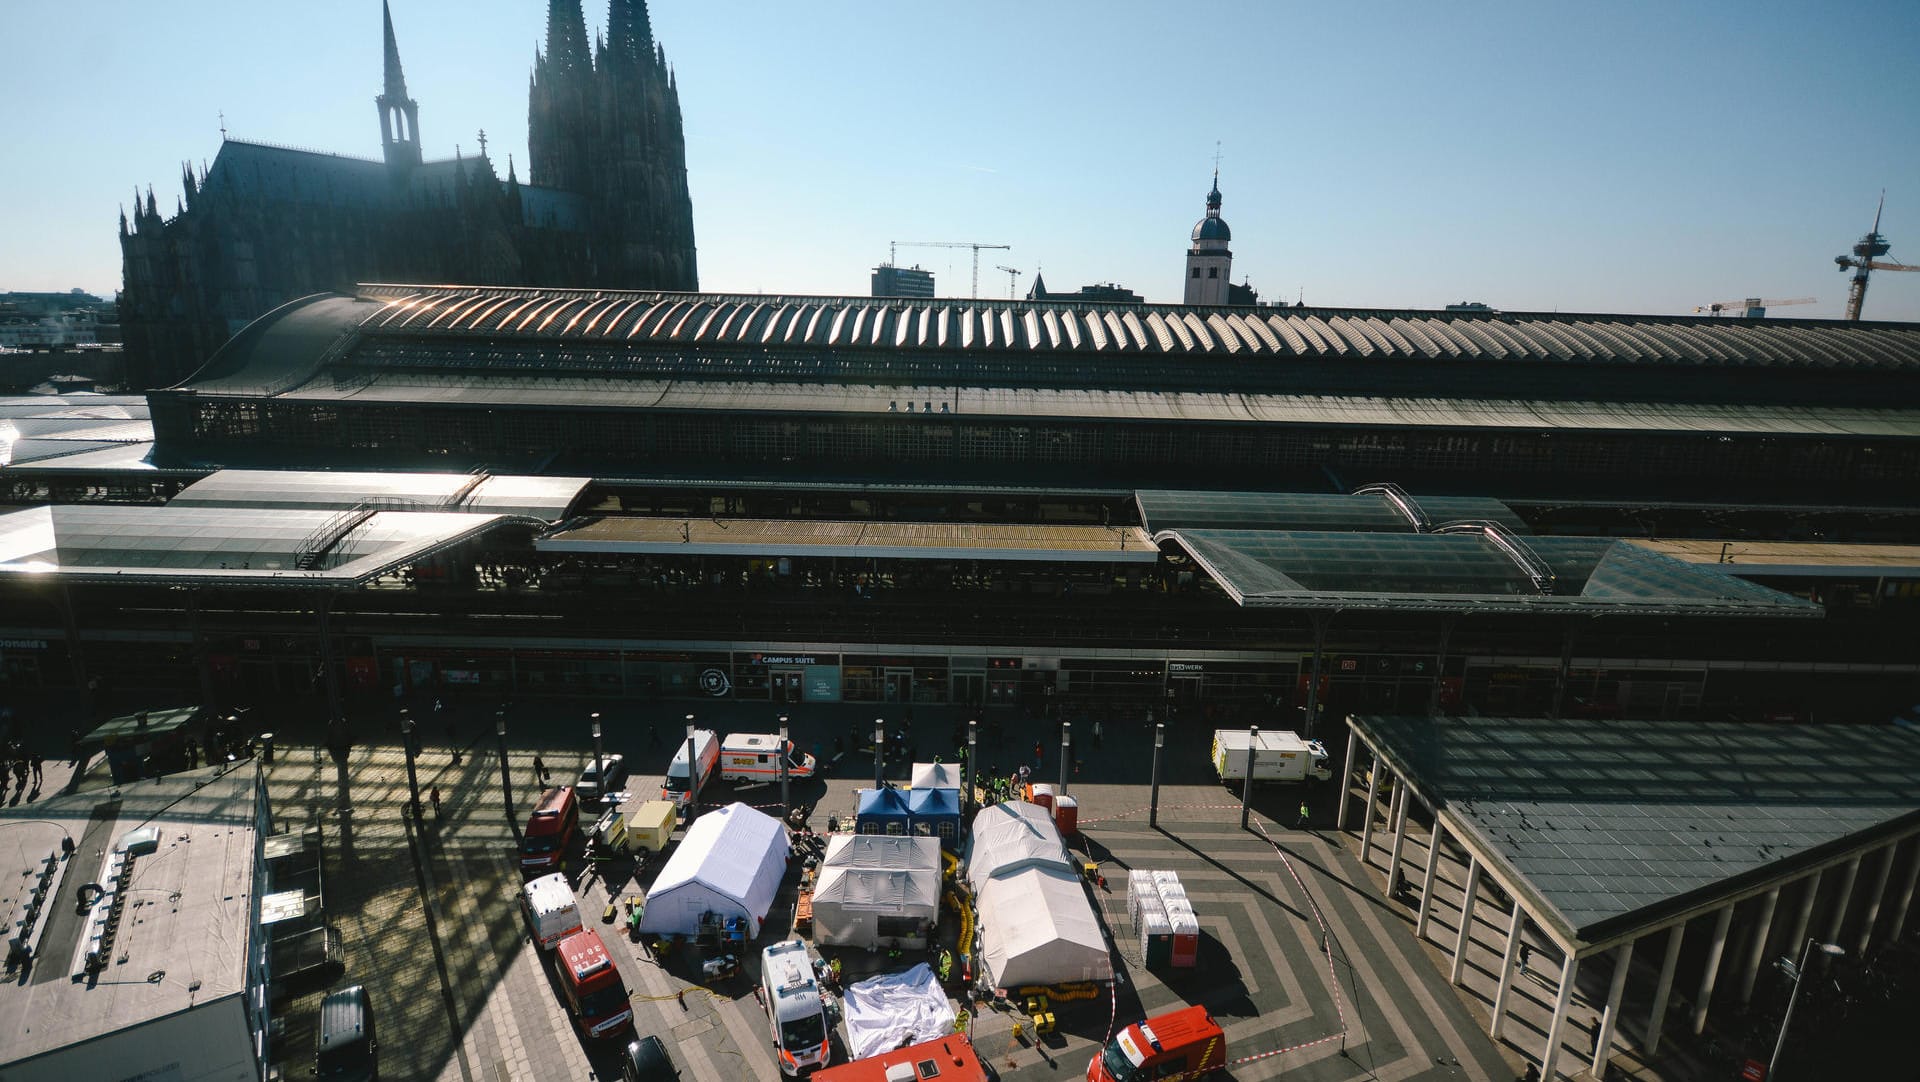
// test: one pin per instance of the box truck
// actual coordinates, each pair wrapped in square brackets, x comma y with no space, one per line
[551,910]
[1281,756]
[756,757]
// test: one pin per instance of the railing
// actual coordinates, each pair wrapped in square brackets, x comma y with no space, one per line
[459,496]
[314,547]
[1522,555]
[1401,502]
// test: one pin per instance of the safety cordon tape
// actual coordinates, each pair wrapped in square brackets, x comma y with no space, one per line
[1326,942]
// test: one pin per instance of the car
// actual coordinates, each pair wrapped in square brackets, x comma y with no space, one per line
[592,787]
[348,1050]
[646,1060]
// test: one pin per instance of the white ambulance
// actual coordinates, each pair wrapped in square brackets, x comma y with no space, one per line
[756,757]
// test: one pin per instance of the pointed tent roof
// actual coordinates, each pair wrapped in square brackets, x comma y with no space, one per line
[885,803]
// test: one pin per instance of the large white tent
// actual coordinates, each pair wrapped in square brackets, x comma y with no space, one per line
[1009,836]
[730,863]
[875,889]
[1037,927]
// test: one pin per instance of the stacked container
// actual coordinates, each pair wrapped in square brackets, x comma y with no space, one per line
[1169,930]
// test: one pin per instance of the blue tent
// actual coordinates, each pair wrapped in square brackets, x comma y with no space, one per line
[882,811]
[936,813]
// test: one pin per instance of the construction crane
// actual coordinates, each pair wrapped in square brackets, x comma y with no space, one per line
[1013,279]
[893,248]
[1752,307]
[1862,262]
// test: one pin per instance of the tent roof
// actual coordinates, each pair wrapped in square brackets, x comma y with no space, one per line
[887,852]
[1037,923]
[934,801]
[936,775]
[886,801]
[1010,836]
[724,851]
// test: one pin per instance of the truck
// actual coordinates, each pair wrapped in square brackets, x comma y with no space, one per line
[1281,756]
[756,757]
[706,754]
[1182,1044]
[551,910]
[596,996]
[947,1059]
[550,830]
[627,827]
[792,994]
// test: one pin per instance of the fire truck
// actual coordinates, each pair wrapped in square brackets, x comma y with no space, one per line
[1182,1044]
[596,997]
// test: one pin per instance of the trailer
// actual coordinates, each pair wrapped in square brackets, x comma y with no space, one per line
[1281,756]
[627,828]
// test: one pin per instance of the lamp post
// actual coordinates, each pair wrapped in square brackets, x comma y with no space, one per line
[506,781]
[693,775]
[1246,787]
[1159,741]
[413,778]
[786,803]
[1797,973]
[599,760]
[972,765]
[1066,753]
[879,750]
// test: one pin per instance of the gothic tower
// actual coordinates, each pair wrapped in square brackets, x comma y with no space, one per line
[399,114]
[1209,262]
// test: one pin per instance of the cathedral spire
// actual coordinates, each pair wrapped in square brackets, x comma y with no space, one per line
[629,31]
[567,37]
[399,114]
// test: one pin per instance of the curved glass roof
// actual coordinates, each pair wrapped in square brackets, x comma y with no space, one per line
[325,490]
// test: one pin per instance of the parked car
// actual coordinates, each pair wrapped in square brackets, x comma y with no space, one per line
[647,1061]
[592,787]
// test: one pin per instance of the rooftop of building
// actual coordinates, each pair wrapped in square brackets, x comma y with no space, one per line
[183,934]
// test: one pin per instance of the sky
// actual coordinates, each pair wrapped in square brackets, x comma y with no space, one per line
[1535,156]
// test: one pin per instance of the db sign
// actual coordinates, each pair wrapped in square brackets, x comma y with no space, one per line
[1753,1071]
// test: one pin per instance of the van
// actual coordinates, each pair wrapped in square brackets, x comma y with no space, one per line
[756,757]
[348,1049]
[792,995]
[1184,1044]
[706,753]
[551,910]
[550,830]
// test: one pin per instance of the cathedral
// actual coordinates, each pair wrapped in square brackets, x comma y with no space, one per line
[605,204]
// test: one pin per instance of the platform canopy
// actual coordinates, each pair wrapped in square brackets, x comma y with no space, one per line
[685,536]
[1609,829]
[1388,510]
[546,498]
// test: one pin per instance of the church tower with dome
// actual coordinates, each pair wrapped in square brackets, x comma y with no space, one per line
[1209,263]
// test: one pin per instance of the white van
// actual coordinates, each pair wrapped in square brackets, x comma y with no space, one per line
[792,996]
[552,912]
[756,757]
[706,753]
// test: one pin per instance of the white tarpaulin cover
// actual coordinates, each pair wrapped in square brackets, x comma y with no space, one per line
[1037,927]
[1010,836]
[936,776]
[866,877]
[730,862]
[894,1010]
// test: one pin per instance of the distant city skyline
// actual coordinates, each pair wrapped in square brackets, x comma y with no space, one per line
[1629,158]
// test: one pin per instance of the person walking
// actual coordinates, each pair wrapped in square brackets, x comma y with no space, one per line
[539,770]
[1302,824]
[1096,734]
[1039,755]
[434,799]
[38,765]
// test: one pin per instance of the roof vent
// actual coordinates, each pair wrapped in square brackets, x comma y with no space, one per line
[140,842]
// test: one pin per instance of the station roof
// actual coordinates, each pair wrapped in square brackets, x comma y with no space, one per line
[229,546]
[680,536]
[188,950]
[83,457]
[1611,828]
[1467,573]
[40,427]
[1357,512]
[1797,559]
[314,490]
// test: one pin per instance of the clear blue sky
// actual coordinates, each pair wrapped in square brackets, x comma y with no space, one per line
[1625,157]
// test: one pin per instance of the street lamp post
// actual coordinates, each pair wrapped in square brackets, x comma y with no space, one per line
[879,750]
[506,780]
[599,759]
[693,775]
[413,778]
[1159,741]
[786,802]
[1798,974]
[1066,753]
[1246,787]
[972,765]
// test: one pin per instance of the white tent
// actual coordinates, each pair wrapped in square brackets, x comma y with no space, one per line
[730,863]
[877,888]
[1009,836]
[936,776]
[1037,927]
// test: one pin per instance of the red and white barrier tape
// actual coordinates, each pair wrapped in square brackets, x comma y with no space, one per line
[1326,948]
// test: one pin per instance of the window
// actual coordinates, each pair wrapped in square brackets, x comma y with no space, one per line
[1213,272]
[1196,272]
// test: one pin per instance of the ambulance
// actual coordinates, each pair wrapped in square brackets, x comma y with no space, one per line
[756,757]
[683,774]
[1183,1044]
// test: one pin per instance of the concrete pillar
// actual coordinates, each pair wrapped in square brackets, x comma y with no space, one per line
[1466,920]
[1662,988]
[1844,899]
[1434,841]
[1373,798]
[1610,1016]
[1805,913]
[1561,1002]
[1757,950]
[1504,988]
[1873,899]
[1399,838]
[1898,923]
[1346,781]
[1712,969]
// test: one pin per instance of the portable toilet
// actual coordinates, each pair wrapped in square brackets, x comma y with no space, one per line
[1066,815]
[1043,795]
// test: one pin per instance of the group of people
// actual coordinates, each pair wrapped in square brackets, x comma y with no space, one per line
[20,767]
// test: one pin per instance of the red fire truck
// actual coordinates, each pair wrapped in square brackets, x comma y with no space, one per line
[948,1059]
[1186,1044]
[596,996]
